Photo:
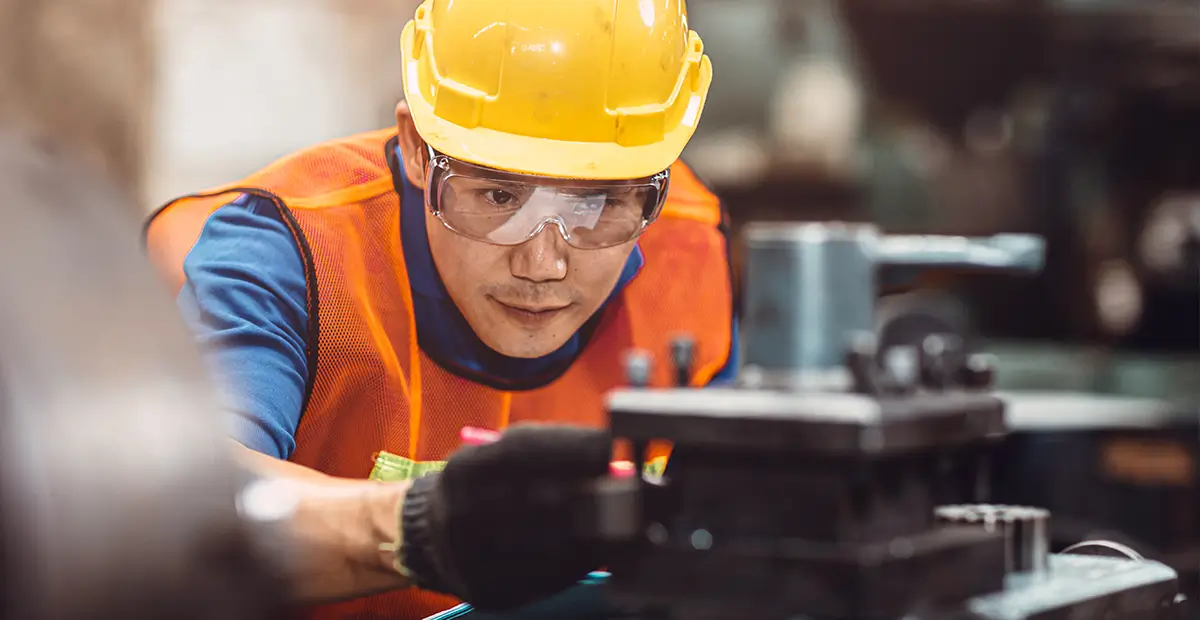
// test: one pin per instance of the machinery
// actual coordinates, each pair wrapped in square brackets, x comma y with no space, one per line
[813,489]
[841,478]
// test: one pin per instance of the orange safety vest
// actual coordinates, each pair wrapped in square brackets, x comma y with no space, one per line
[373,391]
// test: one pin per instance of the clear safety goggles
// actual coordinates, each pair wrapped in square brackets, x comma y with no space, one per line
[506,208]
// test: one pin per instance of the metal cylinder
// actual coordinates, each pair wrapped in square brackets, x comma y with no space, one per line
[808,286]
[1026,531]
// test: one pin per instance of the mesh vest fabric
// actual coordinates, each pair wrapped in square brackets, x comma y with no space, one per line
[371,389]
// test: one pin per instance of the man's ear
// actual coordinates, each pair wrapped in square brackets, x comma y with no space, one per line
[412,148]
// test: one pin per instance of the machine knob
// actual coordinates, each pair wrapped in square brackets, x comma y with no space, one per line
[638,365]
[683,357]
[1026,531]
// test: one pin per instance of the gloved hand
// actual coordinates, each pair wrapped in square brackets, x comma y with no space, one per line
[498,526]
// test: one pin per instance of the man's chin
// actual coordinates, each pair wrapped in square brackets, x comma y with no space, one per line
[524,343]
[528,346]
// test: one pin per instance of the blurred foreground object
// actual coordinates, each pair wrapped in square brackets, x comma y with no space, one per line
[174,95]
[116,496]
[84,69]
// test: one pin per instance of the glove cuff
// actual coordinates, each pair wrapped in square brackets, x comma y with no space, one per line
[418,547]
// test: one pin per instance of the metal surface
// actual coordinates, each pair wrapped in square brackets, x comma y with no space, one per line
[815,285]
[1026,531]
[818,423]
[1106,548]
[1085,587]
[1073,587]
[116,498]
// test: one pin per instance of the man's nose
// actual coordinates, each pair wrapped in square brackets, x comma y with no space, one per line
[541,259]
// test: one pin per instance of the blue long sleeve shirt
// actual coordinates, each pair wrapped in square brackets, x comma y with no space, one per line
[245,298]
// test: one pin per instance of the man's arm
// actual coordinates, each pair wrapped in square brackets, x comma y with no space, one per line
[345,532]
[244,298]
[728,373]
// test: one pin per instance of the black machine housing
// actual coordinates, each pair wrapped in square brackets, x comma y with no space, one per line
[811,488]
[783,504]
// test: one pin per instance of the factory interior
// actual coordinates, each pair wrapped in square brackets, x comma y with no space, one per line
[1015,181]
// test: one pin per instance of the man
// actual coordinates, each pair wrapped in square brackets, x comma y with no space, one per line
[488,261]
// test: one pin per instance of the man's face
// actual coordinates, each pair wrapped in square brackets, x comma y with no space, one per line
[522,300]
[525,300]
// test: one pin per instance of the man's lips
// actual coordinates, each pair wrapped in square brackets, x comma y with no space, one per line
[532,309]
[533,317]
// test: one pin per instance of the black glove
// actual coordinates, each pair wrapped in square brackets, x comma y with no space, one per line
[498,527]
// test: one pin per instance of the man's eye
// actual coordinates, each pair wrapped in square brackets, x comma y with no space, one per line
[499,197]
[588,203]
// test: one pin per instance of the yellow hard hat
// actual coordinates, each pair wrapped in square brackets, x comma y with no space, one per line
[587,89]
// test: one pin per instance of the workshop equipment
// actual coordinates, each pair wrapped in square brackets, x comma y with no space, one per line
[1121,468]
[811,287]
[819,501]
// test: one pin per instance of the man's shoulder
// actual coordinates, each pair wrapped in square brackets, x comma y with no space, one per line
[690,198]
[327,168]
[367,145]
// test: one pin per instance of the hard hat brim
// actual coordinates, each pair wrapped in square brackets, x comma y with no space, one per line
[551,158]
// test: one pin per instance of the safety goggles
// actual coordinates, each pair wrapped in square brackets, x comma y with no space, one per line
[506,208]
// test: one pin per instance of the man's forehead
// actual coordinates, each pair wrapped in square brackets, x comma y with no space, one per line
[481,173]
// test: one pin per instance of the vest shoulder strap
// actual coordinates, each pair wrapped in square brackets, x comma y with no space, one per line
[689,198]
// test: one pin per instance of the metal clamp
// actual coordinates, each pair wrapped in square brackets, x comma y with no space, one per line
[812,286]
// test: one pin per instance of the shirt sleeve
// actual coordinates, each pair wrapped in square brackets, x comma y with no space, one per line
[729,372]
[244,297]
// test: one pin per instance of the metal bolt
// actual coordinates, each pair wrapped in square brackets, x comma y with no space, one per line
[683,355]
[637,368]
[980,371]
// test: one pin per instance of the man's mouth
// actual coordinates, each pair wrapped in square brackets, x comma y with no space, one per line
[529,314]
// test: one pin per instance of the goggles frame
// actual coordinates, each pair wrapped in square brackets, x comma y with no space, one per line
[438,169]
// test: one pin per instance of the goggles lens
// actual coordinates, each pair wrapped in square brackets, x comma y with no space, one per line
[505,208]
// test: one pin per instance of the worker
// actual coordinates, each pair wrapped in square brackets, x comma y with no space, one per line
[488,261]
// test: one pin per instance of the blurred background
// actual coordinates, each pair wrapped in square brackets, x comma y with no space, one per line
[1078,120]
[1075,119]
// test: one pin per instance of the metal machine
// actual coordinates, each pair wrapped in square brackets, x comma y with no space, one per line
[799,494]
